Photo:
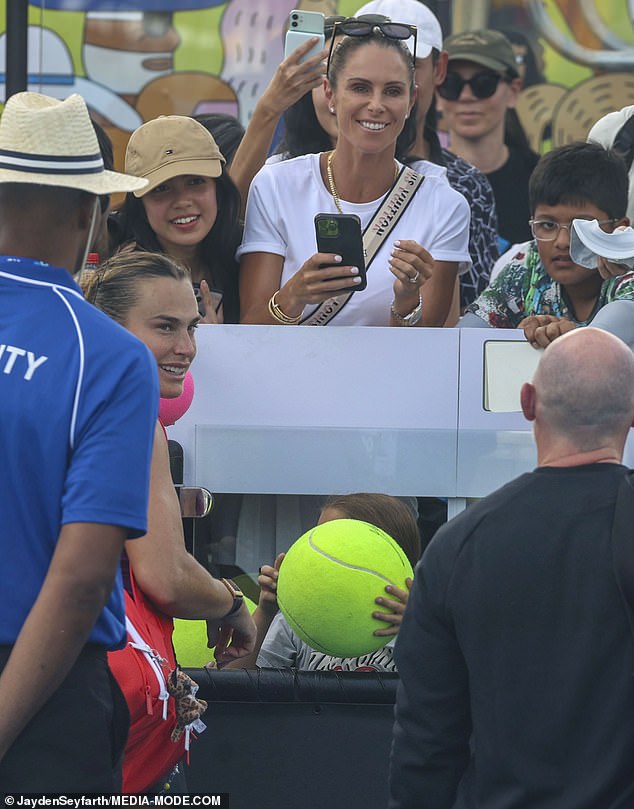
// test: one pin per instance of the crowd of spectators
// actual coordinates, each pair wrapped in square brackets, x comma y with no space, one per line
[215,229]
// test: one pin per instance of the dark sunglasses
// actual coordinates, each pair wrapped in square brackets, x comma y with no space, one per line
[367,26]
[483,85]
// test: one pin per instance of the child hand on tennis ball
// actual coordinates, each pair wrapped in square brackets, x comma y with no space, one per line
[396,600]
[268,586]
[397,604]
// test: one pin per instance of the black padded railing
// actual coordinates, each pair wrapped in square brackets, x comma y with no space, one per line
[291,685]
[286,739]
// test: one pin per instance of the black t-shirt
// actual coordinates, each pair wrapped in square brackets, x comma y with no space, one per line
[515,653]
[510,189]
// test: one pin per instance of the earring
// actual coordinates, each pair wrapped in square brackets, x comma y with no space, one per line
[331,110]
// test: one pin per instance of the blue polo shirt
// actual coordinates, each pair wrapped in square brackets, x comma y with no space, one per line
[78,405]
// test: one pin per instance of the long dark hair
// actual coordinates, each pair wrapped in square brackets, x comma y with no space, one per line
[225,129]
[217,249]
[430,135]
[303,134]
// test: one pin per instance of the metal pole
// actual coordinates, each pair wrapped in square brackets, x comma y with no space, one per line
[469,15]
[16,64]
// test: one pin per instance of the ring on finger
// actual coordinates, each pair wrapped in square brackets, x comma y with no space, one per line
[414,278]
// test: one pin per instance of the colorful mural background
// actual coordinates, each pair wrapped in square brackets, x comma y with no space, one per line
[134,60]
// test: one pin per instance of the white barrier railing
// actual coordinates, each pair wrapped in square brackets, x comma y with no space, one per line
[322,411]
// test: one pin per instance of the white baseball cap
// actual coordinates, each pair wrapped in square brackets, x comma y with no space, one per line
[604,132]
[428,30]
[587,241]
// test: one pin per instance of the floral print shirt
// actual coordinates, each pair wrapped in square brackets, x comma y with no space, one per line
[524,288]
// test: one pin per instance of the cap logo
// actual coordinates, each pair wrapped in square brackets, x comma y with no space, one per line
[471,38]
[169,151]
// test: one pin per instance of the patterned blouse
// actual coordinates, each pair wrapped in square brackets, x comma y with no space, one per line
[483,247]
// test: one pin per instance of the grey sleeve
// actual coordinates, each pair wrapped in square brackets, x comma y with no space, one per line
[281,648]
[617,317]
[472,321]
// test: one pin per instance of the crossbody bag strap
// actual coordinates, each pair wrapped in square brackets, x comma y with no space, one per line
[623,545]
[385,218]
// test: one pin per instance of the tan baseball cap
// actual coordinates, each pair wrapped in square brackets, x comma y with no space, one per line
[170,146]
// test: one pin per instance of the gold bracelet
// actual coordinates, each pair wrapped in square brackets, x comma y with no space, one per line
[277,314]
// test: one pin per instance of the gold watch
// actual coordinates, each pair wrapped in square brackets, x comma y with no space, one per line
[238,596]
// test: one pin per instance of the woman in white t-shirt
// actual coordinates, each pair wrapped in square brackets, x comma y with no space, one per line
[371,89]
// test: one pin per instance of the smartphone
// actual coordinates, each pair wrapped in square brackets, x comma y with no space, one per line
[302,26]
[341,233]
[216,296]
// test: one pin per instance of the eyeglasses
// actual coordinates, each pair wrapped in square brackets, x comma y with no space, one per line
[545,230]
[370,24]
[483,85]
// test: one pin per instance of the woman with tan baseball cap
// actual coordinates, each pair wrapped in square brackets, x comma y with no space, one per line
[189,210]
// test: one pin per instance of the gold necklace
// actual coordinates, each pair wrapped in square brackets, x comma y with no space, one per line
[331,179]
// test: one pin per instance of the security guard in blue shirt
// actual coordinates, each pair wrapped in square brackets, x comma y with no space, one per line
[78,405]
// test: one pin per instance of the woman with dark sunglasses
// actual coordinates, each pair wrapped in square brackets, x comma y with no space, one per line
[371,92]
[476,100]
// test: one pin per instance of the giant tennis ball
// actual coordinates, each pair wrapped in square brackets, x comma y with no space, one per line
[328,582]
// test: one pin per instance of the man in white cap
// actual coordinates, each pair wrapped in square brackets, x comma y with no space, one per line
[431,69]
[78,405]
[431,60]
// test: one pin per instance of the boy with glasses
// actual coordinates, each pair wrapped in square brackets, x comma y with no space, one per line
[481,85]
[542,290]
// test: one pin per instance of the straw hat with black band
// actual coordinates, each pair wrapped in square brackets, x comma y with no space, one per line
[45,141]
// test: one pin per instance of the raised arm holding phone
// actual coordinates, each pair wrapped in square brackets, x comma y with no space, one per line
[370,89]
[301,71]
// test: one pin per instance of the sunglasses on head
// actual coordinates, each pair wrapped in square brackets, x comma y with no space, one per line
[368,24]
[330,22]
[483,85]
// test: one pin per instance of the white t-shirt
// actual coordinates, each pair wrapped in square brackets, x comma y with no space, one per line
[425,167]
[284,198]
